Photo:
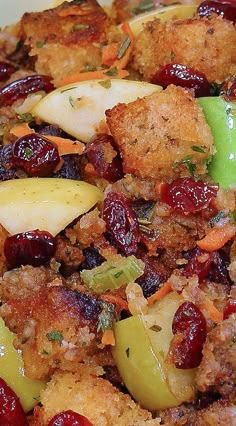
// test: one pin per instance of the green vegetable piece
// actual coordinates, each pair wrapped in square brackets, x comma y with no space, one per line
[141,351]
[113,274]
[221,117]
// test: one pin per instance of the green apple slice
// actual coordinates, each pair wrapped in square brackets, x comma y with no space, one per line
[44,203]
[12,371]
[164,14]
[79,108]
[142,344]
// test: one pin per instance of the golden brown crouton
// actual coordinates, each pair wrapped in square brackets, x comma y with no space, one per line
[67,38]
[93,397]
[55,326]
[205,45]
[156,132]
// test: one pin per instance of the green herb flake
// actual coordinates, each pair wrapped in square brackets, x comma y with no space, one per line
[36,398]
[87,68]
[112,71]
[55,336]
[216,219]
[124,46]
[66,90]
[105,83]
[172,55]
[79,27]
[118,274]
[197,148]
[28,152]
[155,328]
[27,117]
[71,100]
[144,6]
[106,317]
[187,161]
[233,217]
[127,351]
[40,44]
[44,352]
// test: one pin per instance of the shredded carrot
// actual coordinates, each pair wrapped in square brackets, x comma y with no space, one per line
[160,293]
[65,146]
[109,53]
[108,338]
[123,61]
[118,301]
[91,75]
[214,314]
[217,237]
[21,130]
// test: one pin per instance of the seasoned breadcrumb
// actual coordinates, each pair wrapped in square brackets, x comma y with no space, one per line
[156,133]
[207,45]
[91,396]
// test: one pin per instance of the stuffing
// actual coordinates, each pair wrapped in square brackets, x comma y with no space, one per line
[55,326]
[218,366]
[220,413]
[91,396]
[155,134]
[203,44]
[67,38]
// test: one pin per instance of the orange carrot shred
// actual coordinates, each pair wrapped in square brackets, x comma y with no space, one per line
[217,237]
[91,75]
[160,293]
[214,314]
[109,53]
[108,338]
[65,146]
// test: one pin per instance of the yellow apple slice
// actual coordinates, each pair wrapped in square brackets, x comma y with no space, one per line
[164,14]
[44,203]
[12,371]
[79,108]
[142,344]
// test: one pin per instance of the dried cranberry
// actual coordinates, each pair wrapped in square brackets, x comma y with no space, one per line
[69,418]
[188,195]
[218,271]
[35,154]
[92,258]
[205,399]
[151,279]
[71,167]
[197,264]
[6,70]
[121,221]
[11,411]
[110,169]
[226,9]
[19,89]
[230,308]
[29,248]
[184,76]
[190,322]
[7,170]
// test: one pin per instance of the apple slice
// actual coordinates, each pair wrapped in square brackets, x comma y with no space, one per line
[79,108]
[12,371]
[142,344]
[164,14]
[44,203]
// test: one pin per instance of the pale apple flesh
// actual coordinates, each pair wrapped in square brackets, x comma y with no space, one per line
[45,204]
[79,108]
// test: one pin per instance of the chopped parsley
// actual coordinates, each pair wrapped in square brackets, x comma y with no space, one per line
[105,83]
[124,46]
[44,352]
[55,336]
[28,152]
[26,117]
[112,71]
[188,162]
[197,148]
[79,27]
[172,55]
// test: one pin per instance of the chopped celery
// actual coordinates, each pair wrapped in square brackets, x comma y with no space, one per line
[113,274]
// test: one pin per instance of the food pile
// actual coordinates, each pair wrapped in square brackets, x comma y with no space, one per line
[118,215]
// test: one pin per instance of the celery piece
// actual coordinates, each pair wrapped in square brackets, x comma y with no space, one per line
[113,274]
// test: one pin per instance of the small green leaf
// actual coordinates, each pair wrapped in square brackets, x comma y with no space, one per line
[40,44]
[27,117]
[197,148]
[44,352]
[112,71]
[187,161]
[105,83]
[124,46]
[87,68]
[143,6]
[55,336]
[28,152]
[172,55]
[36,398]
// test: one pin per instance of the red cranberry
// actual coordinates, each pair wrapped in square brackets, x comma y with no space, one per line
[184,76]
[11,411]
[227,9]
[190,322]
[35,154]
[230,308]
[6,70]
[187,195]
[96,152]
[69,418]
[151,279]
[121,221]
[196,267]
[29,248]
[19,89]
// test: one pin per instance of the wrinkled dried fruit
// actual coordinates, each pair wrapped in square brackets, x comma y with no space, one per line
[69,418]
[227,9]
[11,411]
